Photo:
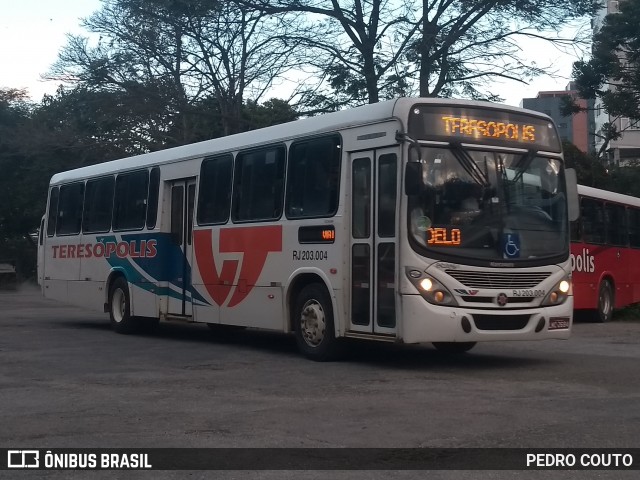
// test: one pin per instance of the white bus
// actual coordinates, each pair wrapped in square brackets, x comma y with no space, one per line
[412,220]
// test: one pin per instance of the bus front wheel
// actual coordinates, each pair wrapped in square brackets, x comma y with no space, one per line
[313,324]
[120,307]
[605,302]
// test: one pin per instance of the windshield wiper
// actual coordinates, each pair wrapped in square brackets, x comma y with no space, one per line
[523,163]
[469,165]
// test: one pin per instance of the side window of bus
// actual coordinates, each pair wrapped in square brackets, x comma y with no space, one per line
[258,184]
[575,230]
[98,205]
[634,226]
[154,189]
[130,205]
[313,178]
[214,194]
[616,224]
[53,211]
[593,224]
[70,209]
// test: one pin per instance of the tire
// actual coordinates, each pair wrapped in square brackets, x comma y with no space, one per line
[120,308]
[313,324]
[604,313]
[454,348]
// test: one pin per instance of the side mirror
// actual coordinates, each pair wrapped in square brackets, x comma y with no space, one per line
[573,202]
[413,183]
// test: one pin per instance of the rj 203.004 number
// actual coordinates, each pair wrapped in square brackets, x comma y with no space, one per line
[306,255]
[529,293]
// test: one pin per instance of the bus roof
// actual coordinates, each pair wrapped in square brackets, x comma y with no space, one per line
[363,115]
[608,196]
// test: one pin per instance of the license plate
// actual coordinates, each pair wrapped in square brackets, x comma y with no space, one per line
[559,323]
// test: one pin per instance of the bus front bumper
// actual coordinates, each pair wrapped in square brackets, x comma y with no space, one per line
[424,322]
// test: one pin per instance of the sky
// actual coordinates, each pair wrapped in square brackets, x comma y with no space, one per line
[32,32]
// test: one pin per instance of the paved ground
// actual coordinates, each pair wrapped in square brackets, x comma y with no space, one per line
[66,380]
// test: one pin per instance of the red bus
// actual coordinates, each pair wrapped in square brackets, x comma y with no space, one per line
[605,252]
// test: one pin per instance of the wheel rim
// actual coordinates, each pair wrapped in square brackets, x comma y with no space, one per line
[312,323]
[118,305]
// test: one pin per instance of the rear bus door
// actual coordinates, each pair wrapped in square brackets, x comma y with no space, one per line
[374,205]
[182,199]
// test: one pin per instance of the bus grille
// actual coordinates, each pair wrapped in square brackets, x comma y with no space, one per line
[500,322]
[473,279]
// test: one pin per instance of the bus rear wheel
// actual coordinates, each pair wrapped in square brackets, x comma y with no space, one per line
[120,307]
[313,324]
[604,313]
[454,347]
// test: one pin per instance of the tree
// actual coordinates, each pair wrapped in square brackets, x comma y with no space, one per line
[589,170]
[613,72]
[381,48]
[171,54]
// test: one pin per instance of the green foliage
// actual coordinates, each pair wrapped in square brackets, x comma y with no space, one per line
[591,172]
[625,180]
[82,127]
[589,169]
[615,62]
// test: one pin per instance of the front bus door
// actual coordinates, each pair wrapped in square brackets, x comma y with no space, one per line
[183,193]
[374,205]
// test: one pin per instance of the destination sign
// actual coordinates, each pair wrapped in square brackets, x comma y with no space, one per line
[483,125]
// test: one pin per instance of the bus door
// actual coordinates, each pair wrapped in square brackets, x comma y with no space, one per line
[374,206]
[183,193]
[41,255]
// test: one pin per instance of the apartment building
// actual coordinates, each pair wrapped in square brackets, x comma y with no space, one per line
[579,128]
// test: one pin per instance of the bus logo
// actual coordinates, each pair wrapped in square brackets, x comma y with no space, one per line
[502,299]
[252,243]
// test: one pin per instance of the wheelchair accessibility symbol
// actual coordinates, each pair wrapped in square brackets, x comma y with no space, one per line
[511,245]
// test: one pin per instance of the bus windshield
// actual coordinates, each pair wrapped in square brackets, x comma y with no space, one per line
[489,205]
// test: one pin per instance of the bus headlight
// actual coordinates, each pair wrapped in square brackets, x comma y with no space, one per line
[559,294]
[431,289]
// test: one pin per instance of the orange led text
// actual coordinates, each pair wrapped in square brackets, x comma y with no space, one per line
[481,128]
[441,236]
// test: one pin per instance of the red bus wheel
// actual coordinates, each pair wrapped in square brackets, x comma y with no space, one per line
[605,302]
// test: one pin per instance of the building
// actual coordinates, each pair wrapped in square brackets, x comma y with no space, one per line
[577,129]
[626,149]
